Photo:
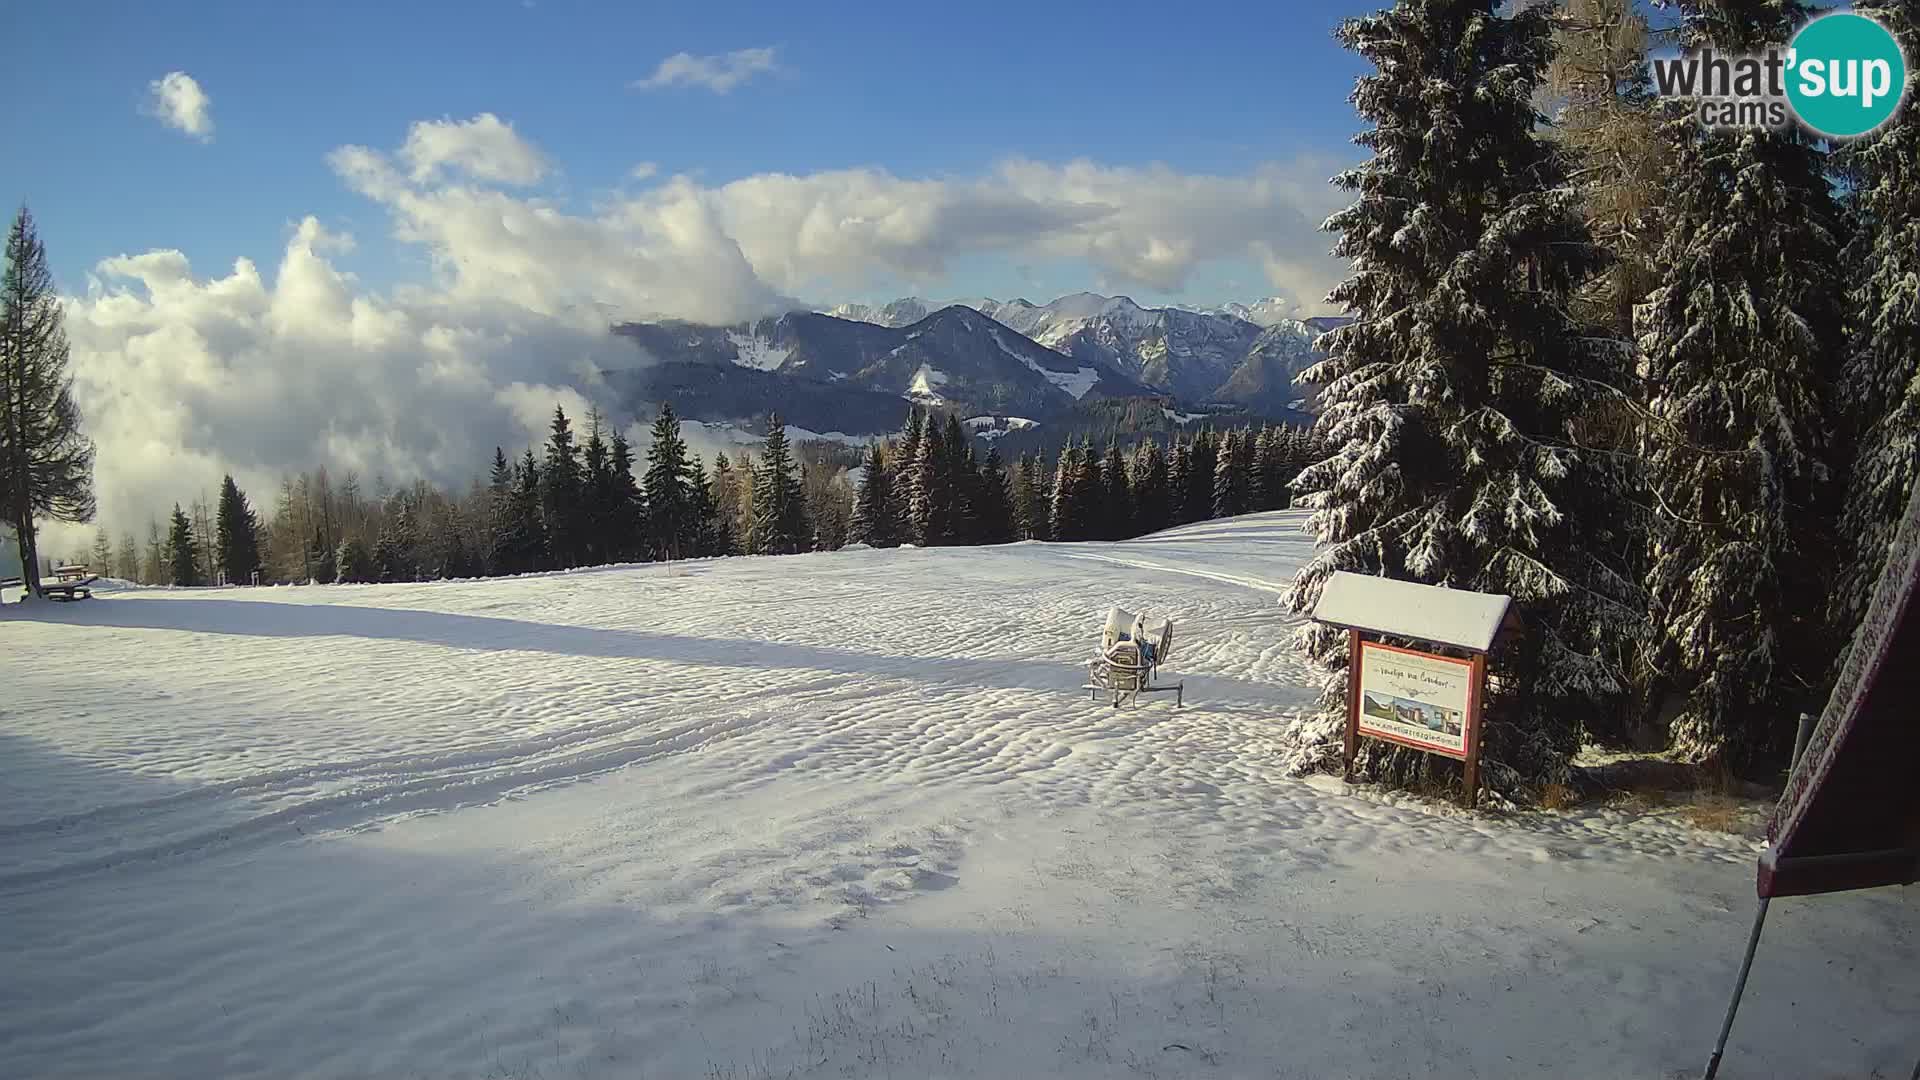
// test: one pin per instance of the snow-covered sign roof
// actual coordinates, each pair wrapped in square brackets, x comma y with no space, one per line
[1467,620]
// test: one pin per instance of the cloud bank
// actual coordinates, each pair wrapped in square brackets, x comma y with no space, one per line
[260,373]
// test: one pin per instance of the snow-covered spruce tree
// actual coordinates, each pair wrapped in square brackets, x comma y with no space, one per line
[930,496]
[875,511]
[1741,338]
[46,463]
[237,532]
[779,506]
[1232,476]
[353,564]
[561,494]
[1879,400]
[667,490]
[1448,403]
[1064,519]
[1116,495]
[183,554]
[903,457]
[1179,466]
[1151,504]
[1029,503]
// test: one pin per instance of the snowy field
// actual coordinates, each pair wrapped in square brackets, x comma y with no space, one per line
[828,815]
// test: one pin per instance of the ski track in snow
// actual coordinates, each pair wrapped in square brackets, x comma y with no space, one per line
[659,820]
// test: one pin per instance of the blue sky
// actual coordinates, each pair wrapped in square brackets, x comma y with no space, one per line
[919,92]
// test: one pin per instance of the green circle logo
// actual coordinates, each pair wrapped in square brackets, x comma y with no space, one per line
[1846,75]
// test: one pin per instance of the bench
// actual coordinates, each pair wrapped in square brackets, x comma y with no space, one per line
[71,590]
[72,573]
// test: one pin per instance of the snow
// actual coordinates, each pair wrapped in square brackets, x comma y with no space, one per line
[924,383]
[704,438]
[1468,620]
[830,815]
[1183,418]
[993,427]
[1075,383]
[754,351]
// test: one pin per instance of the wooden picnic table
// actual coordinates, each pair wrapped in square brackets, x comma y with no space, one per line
[71,590]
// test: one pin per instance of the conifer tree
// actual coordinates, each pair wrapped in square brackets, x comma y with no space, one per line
[704,541]
[46,464]
[875,511]
[183,555]
[1179,472]
[1116,495]
[561,495]
[1089,493]
[780,509]
[499,514]
[1066,522]
[1229,480]
[102,556]
[1151,495]
[1448,402]
[626,515]
[727,497]
[326,566]
[1203,461]
[1739,337]
[530,549]
[1879,401]
[353,562]
[931,496]
[153,567]
[905,462]
[669,490]
[993,503]
[128,565]
[598,502]
[1029,500]
[237,533]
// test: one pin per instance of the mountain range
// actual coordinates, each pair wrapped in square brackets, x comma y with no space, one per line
[857,370]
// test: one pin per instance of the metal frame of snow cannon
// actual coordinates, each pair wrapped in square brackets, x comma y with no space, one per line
[1119,671]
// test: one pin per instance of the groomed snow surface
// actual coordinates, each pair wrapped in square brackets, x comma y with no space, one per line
[828,815]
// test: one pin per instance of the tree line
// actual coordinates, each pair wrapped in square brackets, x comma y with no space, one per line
[1657,382]
[929,487]
[585,503]
[576,503]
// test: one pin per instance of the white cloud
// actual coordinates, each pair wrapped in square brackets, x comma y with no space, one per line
[177,101]
[719,73]
[646,170]
[484,148]
[183,377]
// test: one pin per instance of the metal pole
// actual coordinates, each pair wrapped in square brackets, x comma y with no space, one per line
[1800,739]
[1739,988]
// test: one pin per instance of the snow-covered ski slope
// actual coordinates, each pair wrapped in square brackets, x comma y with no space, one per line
[827,815]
